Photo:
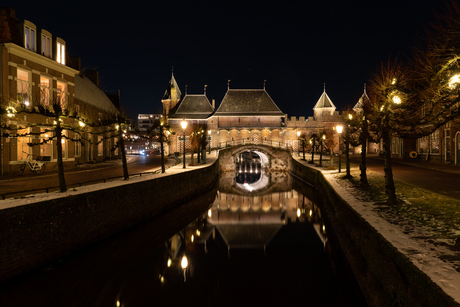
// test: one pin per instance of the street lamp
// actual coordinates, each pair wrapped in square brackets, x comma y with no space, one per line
[209,140]
[313,148]
[298,138]
[184,126]
[323,137]
[184,264]
[339,130]
[303,144]
[162,146]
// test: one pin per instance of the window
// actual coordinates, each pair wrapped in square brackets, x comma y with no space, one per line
[61,94]
[60,52]
[115,142]
[46,45]
[434,142]
[423,143]
[23,87]
[64,144]
[77,145]
[100,146]
[23,149]
[45,91]
[29,38]
[45,142]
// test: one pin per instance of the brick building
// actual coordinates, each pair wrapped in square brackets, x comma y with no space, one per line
[36,72]
[248,115]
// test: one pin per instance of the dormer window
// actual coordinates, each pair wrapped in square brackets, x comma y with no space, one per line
[60,51]
[46,43]
[30,36]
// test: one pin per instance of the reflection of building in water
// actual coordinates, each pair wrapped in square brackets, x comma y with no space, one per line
[250,221]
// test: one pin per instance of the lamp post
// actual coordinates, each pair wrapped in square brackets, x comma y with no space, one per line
[303,144]
[162,148]
[339,130]
[209,140]
[313,148]
[347,147]
[298,138]
[323,137]
[184,126]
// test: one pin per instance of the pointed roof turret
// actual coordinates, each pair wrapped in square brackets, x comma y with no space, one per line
[359,105]
[324,101]
[172,92]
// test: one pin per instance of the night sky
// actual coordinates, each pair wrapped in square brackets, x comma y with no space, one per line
[296,46]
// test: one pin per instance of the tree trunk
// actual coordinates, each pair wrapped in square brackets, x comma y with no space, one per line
[60,164]
[347,152]
[362,167]
[162,150]
[332,158]
[321,153]
[192,151]
[390,189]
[121,146]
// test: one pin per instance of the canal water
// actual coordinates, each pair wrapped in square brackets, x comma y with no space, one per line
[258,239]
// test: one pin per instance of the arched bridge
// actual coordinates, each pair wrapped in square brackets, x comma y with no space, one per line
[272,158]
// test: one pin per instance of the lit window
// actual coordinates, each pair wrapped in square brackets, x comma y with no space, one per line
[61,94]
[22,148]
[30,38]
[46,44]
[100,146]
[23,87]
[44,91]
[45,142]
[60,52]
[77,145]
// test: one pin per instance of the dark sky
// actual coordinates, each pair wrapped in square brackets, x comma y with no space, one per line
[296,46]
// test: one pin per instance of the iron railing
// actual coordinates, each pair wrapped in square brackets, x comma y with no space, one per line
[21,194]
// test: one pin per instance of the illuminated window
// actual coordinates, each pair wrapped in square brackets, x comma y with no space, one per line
[22,148]
[60,51]
[115,141]
[23,87]
[100,146]
[45,142]
[64,143]
[46,44]
[45,91]
[77,145]
[30,37]
[61,94]
[434,142]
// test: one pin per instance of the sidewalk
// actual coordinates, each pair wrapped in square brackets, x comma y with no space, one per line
[423,254]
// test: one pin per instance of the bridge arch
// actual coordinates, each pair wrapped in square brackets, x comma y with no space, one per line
[272,159]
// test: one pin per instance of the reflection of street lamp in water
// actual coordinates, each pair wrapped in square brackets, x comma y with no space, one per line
[184,264]
[184,126]
[339,131]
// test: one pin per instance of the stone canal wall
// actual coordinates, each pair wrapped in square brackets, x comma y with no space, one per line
[385,276]
[34,234]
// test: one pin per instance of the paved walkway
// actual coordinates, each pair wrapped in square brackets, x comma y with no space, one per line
[423,254]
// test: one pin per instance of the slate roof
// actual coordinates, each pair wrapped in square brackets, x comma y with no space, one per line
[172,84]
[324,102]
[248,103]
[359,105]
[85,90]
[193,107]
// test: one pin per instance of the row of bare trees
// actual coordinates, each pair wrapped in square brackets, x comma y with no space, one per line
[52,122]
[412,97]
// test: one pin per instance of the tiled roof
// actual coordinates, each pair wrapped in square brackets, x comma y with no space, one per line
[172,84]
[86,91]
[324,102]
[193,107]
[248,103]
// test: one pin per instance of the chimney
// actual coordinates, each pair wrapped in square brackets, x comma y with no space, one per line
[75,62]
[93,75]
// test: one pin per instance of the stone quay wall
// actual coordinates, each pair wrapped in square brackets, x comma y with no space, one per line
[37,233]
[385,276]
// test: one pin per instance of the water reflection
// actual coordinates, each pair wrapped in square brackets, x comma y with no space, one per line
[249,249]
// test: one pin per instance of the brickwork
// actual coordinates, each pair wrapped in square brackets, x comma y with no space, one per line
[37,233]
